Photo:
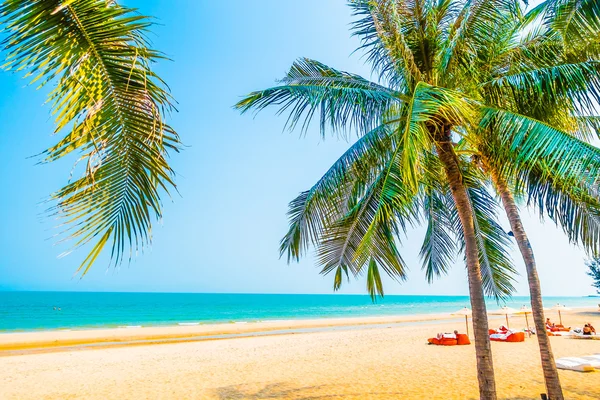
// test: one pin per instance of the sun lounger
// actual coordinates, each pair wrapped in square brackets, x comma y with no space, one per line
[462,339]
[559,328]
[557,333]
[450,339]
[585,337]
[574,364]
[508,337]
[593,360]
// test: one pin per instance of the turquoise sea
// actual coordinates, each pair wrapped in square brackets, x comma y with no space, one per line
[25,311]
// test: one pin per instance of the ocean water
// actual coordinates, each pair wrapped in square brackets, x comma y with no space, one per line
[25,311]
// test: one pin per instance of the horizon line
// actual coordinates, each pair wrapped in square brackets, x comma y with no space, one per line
[4,290]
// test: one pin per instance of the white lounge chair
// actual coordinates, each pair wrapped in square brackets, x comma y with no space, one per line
[593,360]
[574,364]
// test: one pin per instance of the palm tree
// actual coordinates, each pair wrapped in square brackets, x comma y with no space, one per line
[435,62]
[567,38]
[110,108]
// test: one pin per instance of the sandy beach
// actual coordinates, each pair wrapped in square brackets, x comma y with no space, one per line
[366,358]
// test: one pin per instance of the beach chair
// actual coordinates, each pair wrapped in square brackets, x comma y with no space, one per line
[450,339]
[462,339]
[593,360]
[443,341]
[578,364]
[508,337]
[557,333]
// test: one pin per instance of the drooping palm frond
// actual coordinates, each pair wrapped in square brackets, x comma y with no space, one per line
[344,101]
[111,108]
[575,208]
[439,246]
[526,140]
[326,201]
[497,270]
[369,231]
[374,282]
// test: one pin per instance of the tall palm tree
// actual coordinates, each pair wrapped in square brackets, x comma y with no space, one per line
[565,82]
[434,60]
[110,108]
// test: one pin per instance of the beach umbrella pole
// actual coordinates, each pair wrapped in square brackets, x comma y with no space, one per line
[527,322]
[467,324]
[559,317]
[508,326]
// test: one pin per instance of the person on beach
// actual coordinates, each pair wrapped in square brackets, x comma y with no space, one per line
[447,335]
[588,329]
[551,326]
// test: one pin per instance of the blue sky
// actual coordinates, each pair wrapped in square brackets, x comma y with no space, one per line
[235,176]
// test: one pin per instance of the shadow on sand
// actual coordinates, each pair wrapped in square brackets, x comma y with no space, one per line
[282,390]
[289,391]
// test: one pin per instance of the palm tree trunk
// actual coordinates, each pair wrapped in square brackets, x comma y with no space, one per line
[548,366]
[483,350]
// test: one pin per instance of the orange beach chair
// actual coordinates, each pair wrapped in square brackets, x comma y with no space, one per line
[513,337]
[461,339]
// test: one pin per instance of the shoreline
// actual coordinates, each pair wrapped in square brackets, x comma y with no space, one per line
[27,342]
[207,323]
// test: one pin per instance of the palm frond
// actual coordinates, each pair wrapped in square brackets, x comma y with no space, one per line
[343,100]
[374,283]
[575,84]
[439,246]
[428,107]
[524,141]
[112,107]
[326,201]
[587,127]
[369,230]
[379,27]
[578,21]
[497,269]
[475,30]
[575,208]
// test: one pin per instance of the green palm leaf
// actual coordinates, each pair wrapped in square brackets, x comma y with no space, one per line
[497,269]
[577,84]
[526,140]
[343,100]
[439,245]
[326,201]
[428,106]
[385,44]
[370,228]
[374,282]
[574,207]
[110,107]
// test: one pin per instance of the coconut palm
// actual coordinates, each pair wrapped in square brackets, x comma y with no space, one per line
[436,63]
[560,94]
[110,109]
